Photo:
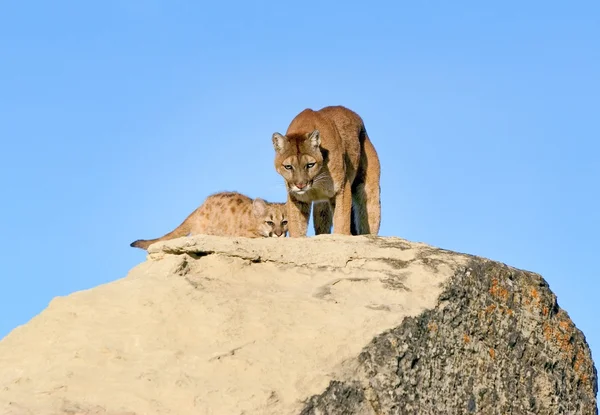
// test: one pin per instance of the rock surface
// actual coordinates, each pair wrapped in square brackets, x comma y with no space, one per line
[320,325]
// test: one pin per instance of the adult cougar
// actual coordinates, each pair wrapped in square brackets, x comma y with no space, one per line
[327,158]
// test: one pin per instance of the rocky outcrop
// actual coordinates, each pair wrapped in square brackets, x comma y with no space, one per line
[320,325]
[496,343]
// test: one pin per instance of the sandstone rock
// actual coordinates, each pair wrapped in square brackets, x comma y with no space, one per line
[320,325]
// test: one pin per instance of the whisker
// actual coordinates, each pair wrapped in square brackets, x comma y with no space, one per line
[321,175]
[320,179]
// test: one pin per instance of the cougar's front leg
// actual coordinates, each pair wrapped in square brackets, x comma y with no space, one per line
[342,213]
[298,215]
[322,217]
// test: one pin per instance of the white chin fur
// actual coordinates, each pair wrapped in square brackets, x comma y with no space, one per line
[301,191]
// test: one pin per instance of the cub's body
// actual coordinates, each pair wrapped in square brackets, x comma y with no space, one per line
[230,214]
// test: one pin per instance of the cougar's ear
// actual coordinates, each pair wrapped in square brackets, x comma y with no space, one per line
[259,207]
[315,138]
[279,142]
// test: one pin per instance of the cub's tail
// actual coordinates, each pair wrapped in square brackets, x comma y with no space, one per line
[143,243]
[181,230]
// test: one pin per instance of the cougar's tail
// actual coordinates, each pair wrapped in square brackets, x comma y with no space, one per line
[181,230]
[366,192]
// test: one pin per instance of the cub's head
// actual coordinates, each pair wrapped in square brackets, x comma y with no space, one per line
[271,218]
[298,159]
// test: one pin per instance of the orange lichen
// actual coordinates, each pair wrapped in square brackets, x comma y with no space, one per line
[560,336]
[547,330]
[432,326]
[564,325]
[584,379]
[490,308]
[557,329]
[466,338]
[487,312]
[497,291]
[579,360]
[535,302]
[564,342]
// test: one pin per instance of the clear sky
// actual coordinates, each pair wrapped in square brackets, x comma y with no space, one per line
[117,119]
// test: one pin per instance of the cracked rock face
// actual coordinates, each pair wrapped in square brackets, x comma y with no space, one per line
[497,342]
[321,325]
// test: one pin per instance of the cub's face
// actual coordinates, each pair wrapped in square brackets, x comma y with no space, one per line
[298,159]
[271,218]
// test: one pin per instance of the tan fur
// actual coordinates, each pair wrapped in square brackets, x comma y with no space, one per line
[326,157]
[230,214]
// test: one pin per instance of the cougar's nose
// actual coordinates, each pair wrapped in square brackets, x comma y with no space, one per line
[300,185]
[278,233]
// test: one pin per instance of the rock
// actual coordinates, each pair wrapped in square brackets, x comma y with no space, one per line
[320,325]
[496,343]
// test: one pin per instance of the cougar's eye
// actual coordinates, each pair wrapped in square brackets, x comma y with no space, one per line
[288,166]
[270,223]
[310,165]
[284,223]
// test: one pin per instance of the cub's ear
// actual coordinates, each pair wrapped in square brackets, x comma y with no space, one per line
[259,207]
[315,139]
[279,142]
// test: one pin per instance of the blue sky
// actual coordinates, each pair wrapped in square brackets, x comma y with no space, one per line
[117,119]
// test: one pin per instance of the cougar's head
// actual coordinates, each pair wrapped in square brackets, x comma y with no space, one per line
[271,218]
[298,159]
